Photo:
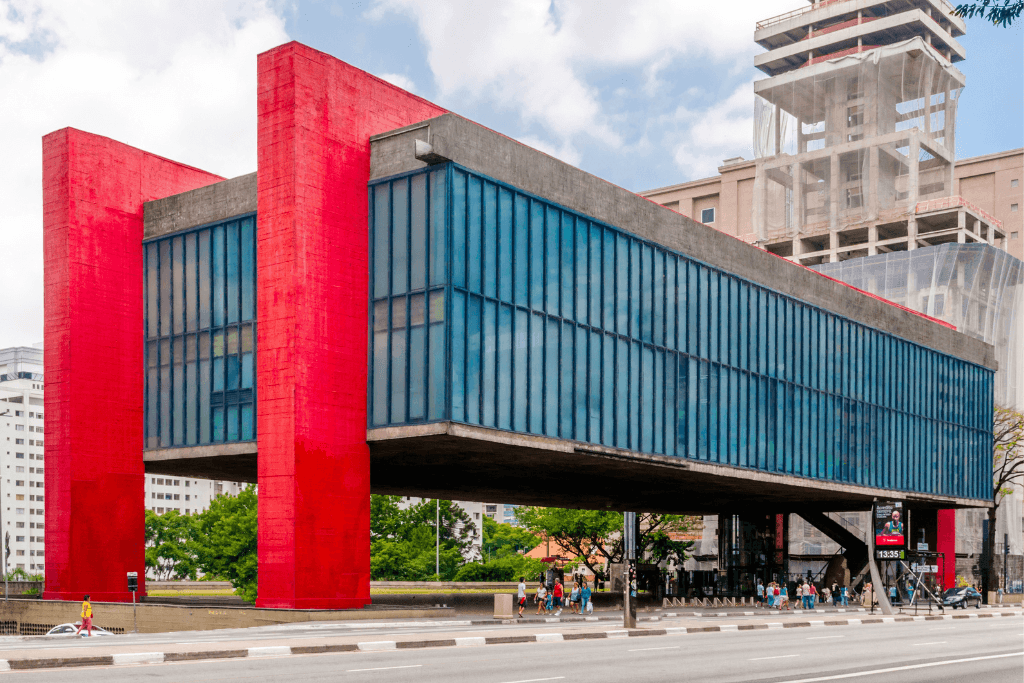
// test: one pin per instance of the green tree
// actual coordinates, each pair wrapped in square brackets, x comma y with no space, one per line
[1007,472]
[168,555]
[502,539]
[224,541]
[403,542]
[999,12]
[598,533]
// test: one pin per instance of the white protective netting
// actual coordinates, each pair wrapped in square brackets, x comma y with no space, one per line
[833,138]
[976,287]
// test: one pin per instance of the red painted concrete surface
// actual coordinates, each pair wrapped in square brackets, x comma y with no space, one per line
[316,115]
[945,542]
[93,190]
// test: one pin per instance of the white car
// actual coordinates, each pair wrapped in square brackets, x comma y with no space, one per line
[68,631]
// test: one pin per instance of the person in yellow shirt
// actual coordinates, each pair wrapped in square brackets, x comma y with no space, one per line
[86,616]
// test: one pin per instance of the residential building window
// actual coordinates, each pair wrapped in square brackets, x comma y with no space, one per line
[19,442]
[20,525]
[176,482]
[20,456]
[1013,183]
[1014,235]
[19,468]
[21,538]
[186,496]
[20,496]
[19,482]
[1013,207]
[19,413]
[707,216]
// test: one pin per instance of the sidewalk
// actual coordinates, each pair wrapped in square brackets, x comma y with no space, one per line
[119,650]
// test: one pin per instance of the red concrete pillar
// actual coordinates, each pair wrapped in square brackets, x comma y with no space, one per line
[945,542]
[316,115]
[93,190]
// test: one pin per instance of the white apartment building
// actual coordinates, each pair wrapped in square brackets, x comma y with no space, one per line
[502,513]
[21,456]
[185,496]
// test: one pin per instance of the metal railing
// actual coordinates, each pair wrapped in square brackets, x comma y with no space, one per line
[944,5]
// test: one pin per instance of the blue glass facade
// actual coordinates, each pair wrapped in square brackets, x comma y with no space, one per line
[496,308]
[200,306]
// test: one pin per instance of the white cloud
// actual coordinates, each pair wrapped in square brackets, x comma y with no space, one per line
[403,82]
[173,77]
[705,137]
[565,152]
[535,57]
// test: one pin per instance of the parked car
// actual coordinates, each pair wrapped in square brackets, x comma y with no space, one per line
[961,597]
[68,630]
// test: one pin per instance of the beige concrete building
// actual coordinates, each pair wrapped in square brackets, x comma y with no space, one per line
[992,182]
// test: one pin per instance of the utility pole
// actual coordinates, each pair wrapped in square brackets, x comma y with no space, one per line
[437,539]
[629,580]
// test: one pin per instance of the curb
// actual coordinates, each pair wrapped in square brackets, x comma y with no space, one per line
[469,641]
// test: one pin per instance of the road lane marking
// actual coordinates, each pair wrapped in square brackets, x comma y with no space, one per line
[942,628]
[534,680]
[385,668]
[775,657]
[824,637]
[646,649]
[909,667]
[937,642]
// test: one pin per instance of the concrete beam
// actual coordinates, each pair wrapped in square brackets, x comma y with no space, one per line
[199,207]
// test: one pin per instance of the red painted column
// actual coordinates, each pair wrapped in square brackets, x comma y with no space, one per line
[93,190]
[316,115]
[945,542]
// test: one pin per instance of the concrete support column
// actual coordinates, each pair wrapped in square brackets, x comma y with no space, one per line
[961,227]
[315,118]
[778,130]
[798,198]
[93,194]
[833,245]
[870,184]
[911,233]
[834,191]
[914,177]
[872,240]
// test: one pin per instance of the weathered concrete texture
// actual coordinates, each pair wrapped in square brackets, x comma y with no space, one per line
[93,194]
[198,207]
[462,462]
[511,162]
[228,461]
[164,618]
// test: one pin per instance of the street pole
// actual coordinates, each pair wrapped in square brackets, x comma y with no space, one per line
[1006,553]
[437,539]
[629,579]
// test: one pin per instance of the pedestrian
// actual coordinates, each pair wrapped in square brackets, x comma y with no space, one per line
[585,598]
[826,595]
[812,599]
[800,594]
[760,593]
[846,596]
[541,598]
[521,597]
[999,595]
[835,593]
[86,617]
[574,598]
[557,596]
[784,598]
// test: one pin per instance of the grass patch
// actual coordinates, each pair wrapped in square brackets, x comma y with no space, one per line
[177,593]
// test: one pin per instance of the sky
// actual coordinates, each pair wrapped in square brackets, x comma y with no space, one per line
[644,93]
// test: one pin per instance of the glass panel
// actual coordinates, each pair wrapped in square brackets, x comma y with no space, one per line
[232,423]
[418,233]
[504,367]
[438,233]
[536,256]
[380,362]
[458,357]
[218,275]
[204,279]
[205,386]
[521,251]
[191,391]
[536,404]
[178,285]
[568,262]
[248,238]
[460,258]
[248,422]
[191,281]
[489,351]
[400,237]
[646,300]
[567,387]
[505,255]
[520,377]
[417,365]
[178,389]
[550,404]
[152,290]
[233,272]
[552,261]
[490,240]
[165,287]
[474,250]
[381,241]
[474,333]
[583,273]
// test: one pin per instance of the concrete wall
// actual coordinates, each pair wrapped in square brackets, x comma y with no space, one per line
[508,161]
[201,206]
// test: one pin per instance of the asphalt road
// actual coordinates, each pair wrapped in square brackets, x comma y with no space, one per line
[977,651]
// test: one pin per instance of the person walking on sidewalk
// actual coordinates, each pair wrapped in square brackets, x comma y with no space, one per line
[556,596]
[574,598]
[541,598]
[584,597]
[812,596]
[760,593]
[86,616]
[521,597]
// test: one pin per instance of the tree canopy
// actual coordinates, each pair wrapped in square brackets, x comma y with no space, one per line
[402,541]
[999,12]
[595,536]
